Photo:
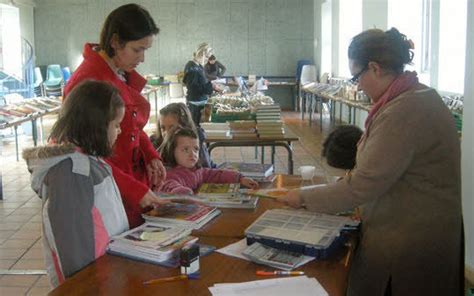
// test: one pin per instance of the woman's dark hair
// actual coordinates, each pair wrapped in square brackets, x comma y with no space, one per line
[129,22]
[390,49]
[85,116]
[340,146]
[181,111]
[169,144]
[212,58]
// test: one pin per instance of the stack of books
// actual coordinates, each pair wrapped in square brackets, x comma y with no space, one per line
[224,196]
[268,112]
[261,172]
[312,234]
[215,129]
[243,129]
[269,123]
[221,189]
[189,215]
[152,243]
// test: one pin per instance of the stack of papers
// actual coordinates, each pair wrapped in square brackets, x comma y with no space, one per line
[151,243]
[214,129]
[189,215]
[301,286]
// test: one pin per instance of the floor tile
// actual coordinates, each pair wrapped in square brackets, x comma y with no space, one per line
[18,280]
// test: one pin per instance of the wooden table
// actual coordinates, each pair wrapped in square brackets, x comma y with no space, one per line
[282,141]
[112,275]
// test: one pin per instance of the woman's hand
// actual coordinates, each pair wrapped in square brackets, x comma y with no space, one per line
[248,183]
[151,200]
[156,173]
[292,199]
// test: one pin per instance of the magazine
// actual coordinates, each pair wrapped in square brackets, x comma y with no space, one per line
[220,190]
[151,243]
[238,201]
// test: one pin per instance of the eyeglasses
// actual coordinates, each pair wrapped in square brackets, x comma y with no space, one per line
[355,78]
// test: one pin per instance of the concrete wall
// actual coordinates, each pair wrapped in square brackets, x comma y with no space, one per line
[263,37]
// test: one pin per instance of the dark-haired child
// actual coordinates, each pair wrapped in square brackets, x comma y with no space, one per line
[180,151]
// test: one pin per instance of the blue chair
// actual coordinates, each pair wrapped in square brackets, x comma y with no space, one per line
[66,74]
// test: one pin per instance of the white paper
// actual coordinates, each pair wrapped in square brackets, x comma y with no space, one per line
[300,286]
[235,249]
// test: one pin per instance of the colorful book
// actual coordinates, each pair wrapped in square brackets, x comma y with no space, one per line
[218,189]
[186,214]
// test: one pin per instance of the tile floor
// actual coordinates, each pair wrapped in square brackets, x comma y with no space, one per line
[20,219]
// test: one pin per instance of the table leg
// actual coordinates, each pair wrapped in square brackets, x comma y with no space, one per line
[263,154]
[340,112]
[321,114]
[303,105]
[354,119]
[310,115]
[273,155]
[256,152]
[16,141]
[34,132]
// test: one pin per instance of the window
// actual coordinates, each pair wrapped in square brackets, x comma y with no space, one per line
[350,24]
[326,37]
[452,45]
[10,40]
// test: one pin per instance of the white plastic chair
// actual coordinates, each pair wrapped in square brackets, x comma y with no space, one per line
[308,75]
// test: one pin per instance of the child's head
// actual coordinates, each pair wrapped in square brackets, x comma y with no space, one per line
[173,115]
[212,59]
[90,118]
[340,146]
[180,147]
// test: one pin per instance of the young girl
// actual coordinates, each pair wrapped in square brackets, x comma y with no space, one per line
[177,114]
[82,206]
[180,151]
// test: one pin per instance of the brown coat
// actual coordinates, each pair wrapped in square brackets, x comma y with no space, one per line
[408,178]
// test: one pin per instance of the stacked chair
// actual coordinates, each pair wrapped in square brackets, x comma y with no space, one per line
[53,86]
[308,76]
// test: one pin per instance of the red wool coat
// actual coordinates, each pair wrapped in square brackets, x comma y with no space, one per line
[133,149]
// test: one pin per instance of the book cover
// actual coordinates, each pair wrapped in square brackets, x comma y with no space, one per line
[270,193]
[215,189]
[185,212]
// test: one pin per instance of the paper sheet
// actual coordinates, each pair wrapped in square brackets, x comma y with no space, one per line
[300,286]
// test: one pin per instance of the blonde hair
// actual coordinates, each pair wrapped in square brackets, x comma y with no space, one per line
[181,111]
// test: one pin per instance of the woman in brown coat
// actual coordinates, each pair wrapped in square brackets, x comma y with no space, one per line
[407,176]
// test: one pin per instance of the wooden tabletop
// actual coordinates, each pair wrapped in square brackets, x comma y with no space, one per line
[113,275]
[287,137]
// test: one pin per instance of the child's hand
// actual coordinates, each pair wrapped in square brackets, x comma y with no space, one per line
[249,183]
[156,173]
[151,200]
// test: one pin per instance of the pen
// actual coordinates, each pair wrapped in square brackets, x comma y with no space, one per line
[279,272]
[171,279]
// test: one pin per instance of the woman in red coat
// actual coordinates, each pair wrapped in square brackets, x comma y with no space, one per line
[127,33]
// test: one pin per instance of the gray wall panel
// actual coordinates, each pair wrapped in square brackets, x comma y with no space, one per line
[263,37]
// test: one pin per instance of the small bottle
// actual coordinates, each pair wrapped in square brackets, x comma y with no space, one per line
[189,259]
